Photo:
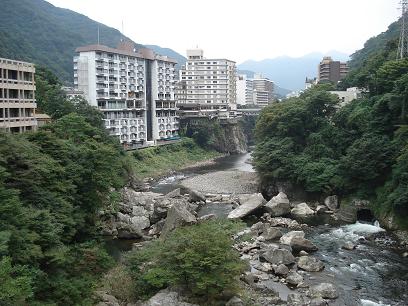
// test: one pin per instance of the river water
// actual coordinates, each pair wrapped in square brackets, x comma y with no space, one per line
[371,275]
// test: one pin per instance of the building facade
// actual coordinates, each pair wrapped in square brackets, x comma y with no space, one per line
[17,96]
[331,71]
[245,90]
[208,81]
[348,95]
[262,90]
[134,90]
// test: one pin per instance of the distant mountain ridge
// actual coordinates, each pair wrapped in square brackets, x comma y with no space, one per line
[38,32]
[290,72]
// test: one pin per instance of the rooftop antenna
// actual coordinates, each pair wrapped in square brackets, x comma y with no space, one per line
[403,39]
[123,35]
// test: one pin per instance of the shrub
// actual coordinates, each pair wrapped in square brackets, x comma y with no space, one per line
[198,258]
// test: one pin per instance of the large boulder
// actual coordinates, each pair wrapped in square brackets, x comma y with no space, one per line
[332,202]
[178,215]
[140,222]
[195,196]
[302,210]
[281,270]
[301,244]
[294,278]
[310,264]
[271,234]
[165,298]
[278,206]
[253,202]
[176,193]
[287,238]
[324,290]
[278,256]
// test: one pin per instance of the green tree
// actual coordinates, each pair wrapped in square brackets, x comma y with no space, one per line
[198,258]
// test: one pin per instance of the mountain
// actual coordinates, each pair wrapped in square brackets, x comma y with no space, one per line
[290,72]
[169,52]
[38,32]
[383,42]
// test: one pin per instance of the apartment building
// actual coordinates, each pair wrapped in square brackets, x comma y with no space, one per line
[331,71]
[135,90]
[17,96]
[245,90]
[263,90]
[210,82]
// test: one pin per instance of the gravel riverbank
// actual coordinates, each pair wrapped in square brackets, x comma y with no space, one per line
[224,182]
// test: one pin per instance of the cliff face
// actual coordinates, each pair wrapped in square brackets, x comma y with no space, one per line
[230,139]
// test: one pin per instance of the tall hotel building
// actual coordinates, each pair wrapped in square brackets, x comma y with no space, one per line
[17,96]
[135,90]
[331,71]
[209,84]
[263,90]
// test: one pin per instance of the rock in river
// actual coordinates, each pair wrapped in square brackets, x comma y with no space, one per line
[287,238]
[324,290]
[301,244]
[253,202]
[302,210]
[310,264]
[278,205]
[332,202]
[178,215]
[294,278]
[278,256]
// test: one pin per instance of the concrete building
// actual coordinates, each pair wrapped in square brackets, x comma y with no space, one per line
[17,96]
[135,90]
[263,90]
[348,95]
[208,81]
[310,82]
[331,71]
[73,93]
[245,90]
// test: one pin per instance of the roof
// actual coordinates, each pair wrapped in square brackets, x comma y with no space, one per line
[42,116]
[144,53]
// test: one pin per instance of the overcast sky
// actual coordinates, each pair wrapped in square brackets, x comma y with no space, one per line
[242,30]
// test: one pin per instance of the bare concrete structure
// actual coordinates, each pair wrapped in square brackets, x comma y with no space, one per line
[17,96]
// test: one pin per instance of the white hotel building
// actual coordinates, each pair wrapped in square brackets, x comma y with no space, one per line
[134,90]
[209,84]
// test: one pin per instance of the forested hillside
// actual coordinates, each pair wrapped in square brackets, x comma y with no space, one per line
[38,32]
[360,149]
[53,183]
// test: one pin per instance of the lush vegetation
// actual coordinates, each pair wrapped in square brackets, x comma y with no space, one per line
[360,149]
[53,183]
[199,258]
[48,36]
[155,161]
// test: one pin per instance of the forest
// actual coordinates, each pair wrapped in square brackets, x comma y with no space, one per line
[358,150]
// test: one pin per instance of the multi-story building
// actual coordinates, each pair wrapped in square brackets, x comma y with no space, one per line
[17,96]
[245,90]
[263,90]
[135,90]
[331,71]
[208,81]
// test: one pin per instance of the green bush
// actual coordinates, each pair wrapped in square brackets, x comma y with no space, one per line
[198,258]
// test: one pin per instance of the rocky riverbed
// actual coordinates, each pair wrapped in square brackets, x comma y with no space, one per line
[298,253]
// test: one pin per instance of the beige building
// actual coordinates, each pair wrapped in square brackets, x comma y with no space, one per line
[331,71]
[262,90]
[17,96]
[208,81]
[134,89]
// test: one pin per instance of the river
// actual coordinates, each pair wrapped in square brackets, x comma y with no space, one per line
[371,275]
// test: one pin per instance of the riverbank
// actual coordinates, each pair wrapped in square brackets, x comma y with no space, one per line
[156,162]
